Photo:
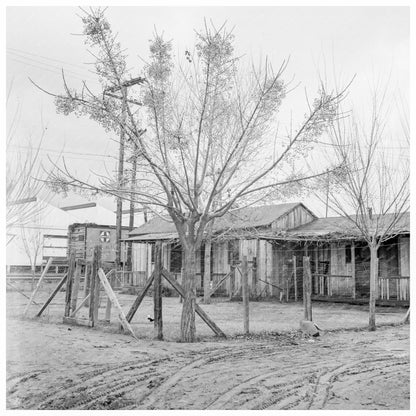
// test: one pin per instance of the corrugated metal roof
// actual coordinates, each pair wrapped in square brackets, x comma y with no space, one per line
[239,218]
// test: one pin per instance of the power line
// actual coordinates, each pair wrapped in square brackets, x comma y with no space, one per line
[64,151]
[50,65]
[46,69]
[45,57]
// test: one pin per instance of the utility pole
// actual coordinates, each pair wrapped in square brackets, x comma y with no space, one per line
[111,93]
[131,213]
[119,214]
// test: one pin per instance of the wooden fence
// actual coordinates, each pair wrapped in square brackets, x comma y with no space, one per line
[394,288]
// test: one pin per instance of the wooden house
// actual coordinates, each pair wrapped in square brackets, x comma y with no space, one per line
[340,258]
[275,239]
[235,236]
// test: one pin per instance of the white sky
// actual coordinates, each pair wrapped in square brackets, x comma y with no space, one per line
[369,42]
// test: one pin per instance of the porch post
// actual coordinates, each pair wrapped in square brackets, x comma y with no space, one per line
[316,269]
[353,268]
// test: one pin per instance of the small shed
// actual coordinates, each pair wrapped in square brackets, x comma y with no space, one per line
[83,237]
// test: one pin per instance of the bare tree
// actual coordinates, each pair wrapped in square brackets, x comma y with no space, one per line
[203,128]
[373,190]
[32,239]
[25,176]
[24,185]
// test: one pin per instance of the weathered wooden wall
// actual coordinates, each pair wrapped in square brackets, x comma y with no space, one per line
[140,257]
[340,286]
[404,254]
[388,255]
[220,265]
[294,218]
[84,238]
[265,267]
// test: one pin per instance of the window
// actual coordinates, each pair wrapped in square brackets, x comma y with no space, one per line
[81,237]
[176,258]
[348,253]
[152,253]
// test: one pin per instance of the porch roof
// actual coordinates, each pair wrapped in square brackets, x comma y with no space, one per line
[337,228]
[153,237]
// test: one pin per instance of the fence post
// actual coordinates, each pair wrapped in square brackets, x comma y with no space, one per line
[45,270]
[68,292]
[157,292]
[75,285]
[295,278]
[315,286]
[87,282]
[244,286]
[232,280]
[254,278]
[95,286]
[307,286]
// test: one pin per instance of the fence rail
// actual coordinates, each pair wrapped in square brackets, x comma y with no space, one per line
[394,287]
[389,287]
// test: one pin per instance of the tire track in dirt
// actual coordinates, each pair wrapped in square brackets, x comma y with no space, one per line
[14,383]
[326,383]
[288,395]
[109,379]
[215,355]
[287,382]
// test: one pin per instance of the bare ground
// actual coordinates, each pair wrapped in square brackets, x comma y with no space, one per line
[53,366]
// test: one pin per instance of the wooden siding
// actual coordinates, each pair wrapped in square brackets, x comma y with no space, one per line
[340,284]
[83,238]
[388,255]
[219,264]
[404,254]
[140,257]
[294,218]
[108,248]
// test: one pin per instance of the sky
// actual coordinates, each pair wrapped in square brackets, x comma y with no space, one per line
[368,43]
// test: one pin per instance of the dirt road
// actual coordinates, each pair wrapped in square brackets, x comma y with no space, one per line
[56,367]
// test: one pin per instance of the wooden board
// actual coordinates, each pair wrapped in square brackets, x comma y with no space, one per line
[94,282]
[38,285]
[139,298]
[78,321]
[75,286]
[68,291]
[53,294]
[83,302]
[219,283]
[115,302]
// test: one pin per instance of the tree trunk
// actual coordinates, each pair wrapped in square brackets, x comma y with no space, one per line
[188,284]
[207,271]
[373,287]
[33,270]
